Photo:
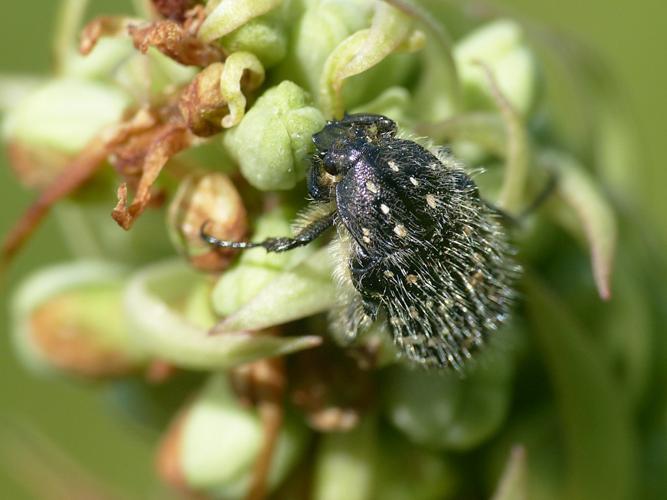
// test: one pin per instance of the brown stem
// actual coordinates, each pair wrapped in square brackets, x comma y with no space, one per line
[269,387]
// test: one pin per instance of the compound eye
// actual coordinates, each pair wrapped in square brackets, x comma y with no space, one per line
[331,162]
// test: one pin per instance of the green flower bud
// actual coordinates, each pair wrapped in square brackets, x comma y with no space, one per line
[219,441]
[69,318]
[445,411]
[501,47]
[225,17]
[273,140]
[154,302]
[264,37]
[65,114]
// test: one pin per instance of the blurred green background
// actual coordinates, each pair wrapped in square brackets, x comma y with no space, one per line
[630,36]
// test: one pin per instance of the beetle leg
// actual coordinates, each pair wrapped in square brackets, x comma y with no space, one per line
[280,244]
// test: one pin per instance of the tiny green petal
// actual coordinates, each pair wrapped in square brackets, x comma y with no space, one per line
[65,114]
[272,142]
[229,15]
[595,215]
[221,440]
[166,334]
[302,291]
[237,66]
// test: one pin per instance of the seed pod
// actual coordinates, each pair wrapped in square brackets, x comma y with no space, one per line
[69,318]
[213,199]
[212,447]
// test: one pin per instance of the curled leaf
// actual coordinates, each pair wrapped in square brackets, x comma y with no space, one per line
[240,68]
[594,213]
[362,50]
[299,292]
[164,333]
[517,157]
[513,484]
[229,15]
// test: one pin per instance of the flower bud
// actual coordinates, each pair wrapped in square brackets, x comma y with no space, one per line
[273,140]
[445,411]
[213,200]
[69,318]
[212,447]
[346,463]
[264,37]
[500,46]
[65,114]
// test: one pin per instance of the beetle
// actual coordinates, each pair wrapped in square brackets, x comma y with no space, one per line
[417,247]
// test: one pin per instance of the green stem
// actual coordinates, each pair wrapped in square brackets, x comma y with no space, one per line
[68,23]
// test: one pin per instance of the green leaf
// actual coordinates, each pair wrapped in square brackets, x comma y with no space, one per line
[163,332]
[594,213]
[302,291]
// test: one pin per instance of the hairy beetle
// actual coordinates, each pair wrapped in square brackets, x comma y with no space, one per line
[418,245]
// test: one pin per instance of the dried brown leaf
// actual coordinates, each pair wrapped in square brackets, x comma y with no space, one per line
[175,41]
[168,140]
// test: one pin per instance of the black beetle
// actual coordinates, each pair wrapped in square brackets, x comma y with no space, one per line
[418,245]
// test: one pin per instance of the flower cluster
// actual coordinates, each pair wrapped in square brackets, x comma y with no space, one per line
[191,112]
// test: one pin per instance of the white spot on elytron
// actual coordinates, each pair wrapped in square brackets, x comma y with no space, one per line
[411,279]
[366,231]
[414,181]
[393,165]
[370,185]
[384,208]
[412,310]
[395,321]
[400,231]
[389,274]
[429,304]
[366,239]
[431,200]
